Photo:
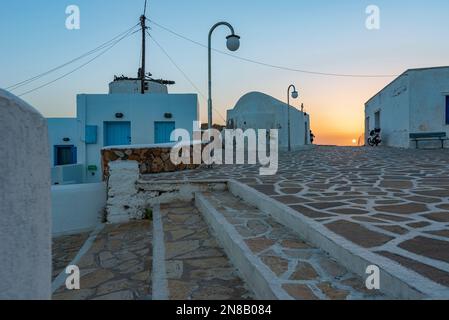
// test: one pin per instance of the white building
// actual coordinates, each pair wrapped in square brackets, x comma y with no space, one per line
[122,117]
[257,110]
[417,102]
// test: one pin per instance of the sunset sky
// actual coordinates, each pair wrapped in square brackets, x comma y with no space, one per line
[321,35]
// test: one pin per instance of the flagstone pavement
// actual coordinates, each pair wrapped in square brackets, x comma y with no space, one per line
[393,202]
[116,267]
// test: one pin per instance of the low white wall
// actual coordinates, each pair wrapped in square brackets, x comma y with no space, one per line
[69,174]
[77,207]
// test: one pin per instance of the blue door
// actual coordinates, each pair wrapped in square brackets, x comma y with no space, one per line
[117,133]
[162,131]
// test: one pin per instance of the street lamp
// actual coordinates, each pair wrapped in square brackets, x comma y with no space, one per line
[233,44]
[295,95]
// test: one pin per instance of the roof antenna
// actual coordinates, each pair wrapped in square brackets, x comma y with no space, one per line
[144,28]
[145,8]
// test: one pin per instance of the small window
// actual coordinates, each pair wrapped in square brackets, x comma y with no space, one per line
[377,120]
[367,125]
[64,155]
[447,109]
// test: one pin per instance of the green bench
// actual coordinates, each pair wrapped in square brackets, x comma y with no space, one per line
[426,136]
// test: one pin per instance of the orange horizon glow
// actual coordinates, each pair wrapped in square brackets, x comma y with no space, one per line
[336,106]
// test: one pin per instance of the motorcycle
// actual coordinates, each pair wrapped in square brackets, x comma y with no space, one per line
[374,140]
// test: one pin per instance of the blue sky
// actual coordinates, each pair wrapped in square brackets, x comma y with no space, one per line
[320,35]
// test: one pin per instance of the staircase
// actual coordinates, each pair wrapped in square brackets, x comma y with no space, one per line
[272,260]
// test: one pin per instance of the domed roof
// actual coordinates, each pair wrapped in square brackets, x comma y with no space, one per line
[258,101]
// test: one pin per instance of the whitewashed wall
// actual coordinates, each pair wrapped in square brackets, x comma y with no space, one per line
[428,101]
[413,103]
[25,210]
[393,103]
[77,208]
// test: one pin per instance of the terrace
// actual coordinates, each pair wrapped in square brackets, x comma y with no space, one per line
[309,232]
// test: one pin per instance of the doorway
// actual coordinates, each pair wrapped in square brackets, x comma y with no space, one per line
[117,133]
[162,131]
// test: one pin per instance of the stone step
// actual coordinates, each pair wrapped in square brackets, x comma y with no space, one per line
[275,262]
[396,281]
[188,263]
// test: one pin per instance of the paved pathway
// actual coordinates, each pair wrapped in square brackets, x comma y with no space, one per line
[64,250]
[196,266]
[117,266]
[393,202]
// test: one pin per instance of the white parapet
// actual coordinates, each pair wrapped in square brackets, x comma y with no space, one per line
[77,207]
[123,203]
[25,205]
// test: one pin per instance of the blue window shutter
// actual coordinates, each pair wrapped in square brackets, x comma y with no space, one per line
[447,109]
[162,131]
[74,155]
[55,156]
[91,134]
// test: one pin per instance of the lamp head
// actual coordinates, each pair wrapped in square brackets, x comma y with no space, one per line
[233,42]
[295,94]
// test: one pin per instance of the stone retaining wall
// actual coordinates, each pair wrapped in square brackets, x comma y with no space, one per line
[151,159]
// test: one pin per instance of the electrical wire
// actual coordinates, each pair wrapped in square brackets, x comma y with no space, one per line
[177,66]
[271,65]
[79,67]
[183,73]
[27,81]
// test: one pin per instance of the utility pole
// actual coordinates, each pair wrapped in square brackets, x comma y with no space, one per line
[142,70]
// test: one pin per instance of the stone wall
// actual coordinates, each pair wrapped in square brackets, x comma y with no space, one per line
[128,198]
[151,159]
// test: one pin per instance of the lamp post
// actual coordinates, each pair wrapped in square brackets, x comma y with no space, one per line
[233,44]
[295,95]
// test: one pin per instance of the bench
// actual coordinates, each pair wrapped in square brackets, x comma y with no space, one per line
[429,136]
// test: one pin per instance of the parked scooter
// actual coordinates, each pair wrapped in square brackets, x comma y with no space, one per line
[374,140]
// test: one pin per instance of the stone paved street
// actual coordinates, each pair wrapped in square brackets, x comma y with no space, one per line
[64,250]
[392,202]
[196,266]
[116,267]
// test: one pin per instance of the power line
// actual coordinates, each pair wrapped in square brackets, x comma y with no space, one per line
[79,67]
[27,81]
[176,66]
[272,65]
[183,73]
